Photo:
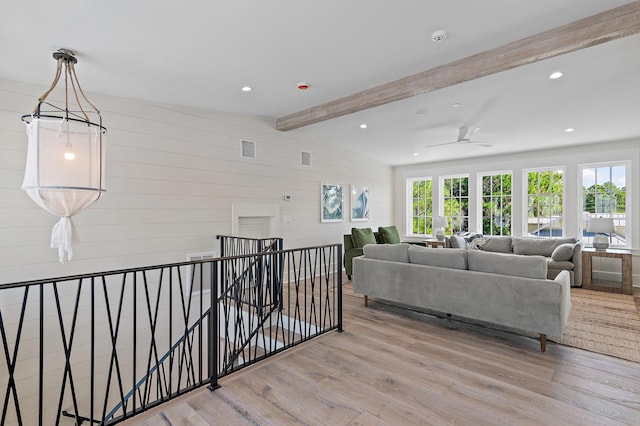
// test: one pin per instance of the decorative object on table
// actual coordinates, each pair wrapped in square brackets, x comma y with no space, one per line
[439,223]
[331,200]
[601,226]
[359,203]
[65,170]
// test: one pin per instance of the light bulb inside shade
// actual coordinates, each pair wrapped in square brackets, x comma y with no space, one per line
[68,152]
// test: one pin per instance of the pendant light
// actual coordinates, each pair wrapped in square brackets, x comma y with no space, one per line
[65,170]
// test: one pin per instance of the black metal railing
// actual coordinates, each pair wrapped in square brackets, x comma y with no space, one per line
[103,347]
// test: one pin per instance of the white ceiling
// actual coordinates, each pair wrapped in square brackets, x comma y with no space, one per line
[201,52]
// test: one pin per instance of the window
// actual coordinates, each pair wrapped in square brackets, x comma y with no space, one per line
[604,194]
[545,203]
[496,204]
[421,205]
[455,199]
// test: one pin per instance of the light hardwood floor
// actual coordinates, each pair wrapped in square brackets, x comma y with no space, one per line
[396,367]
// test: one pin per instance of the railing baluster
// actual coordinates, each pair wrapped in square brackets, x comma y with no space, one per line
[262,298]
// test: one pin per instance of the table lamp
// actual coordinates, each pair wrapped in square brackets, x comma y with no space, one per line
[600,226]
[439,223]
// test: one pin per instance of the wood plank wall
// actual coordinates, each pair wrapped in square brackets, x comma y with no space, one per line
[173,174]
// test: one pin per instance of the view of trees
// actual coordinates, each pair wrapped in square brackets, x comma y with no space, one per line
[456,203]
[544,202]
[422,214]
[605,198]
[496,204]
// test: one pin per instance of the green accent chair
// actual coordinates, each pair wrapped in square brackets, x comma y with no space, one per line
[359,237]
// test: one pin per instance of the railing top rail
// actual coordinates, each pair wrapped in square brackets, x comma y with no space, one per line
[248,238]
[153,267]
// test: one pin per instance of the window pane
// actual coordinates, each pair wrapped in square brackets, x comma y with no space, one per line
[545,203]
[495,218]
[604,195]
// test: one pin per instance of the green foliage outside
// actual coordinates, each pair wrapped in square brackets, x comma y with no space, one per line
[496,204]
[605,198]
[422,214]
[456,204]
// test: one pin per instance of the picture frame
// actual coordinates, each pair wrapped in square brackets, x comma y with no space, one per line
[331,202]
[359,203]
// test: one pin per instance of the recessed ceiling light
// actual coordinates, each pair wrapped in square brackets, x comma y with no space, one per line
[569,129]
[555,75]
[246,88]
[363,126]
[415,154]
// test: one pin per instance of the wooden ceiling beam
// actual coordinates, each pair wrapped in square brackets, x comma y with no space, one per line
[600,28]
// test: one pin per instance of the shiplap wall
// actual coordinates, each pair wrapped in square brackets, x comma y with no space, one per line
[173,174]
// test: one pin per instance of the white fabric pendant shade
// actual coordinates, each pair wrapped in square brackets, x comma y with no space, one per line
[64,173]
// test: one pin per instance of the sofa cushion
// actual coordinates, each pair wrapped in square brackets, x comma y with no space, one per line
[562,266]
[444,258]
[563,252]
[362,237]
[389,234]
[498,244]
[390,252]
[507,264]
[538,246]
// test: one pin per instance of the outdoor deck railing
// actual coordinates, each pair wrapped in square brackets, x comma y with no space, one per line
[103,347]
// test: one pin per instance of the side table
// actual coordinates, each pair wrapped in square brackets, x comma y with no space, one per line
[589,283]
[434,243]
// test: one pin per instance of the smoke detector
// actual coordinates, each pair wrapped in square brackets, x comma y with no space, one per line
[438,36]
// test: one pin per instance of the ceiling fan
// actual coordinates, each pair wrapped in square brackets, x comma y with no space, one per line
[464,137]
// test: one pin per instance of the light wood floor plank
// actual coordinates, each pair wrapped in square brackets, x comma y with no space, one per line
[393,366]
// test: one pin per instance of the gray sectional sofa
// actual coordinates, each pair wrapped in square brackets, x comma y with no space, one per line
[561,254]
[504,289]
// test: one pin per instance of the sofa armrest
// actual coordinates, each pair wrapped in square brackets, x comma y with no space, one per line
[349,254]
[577,263]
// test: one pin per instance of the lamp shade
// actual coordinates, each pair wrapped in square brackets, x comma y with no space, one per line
[600,225]
[65,171]
[440,222]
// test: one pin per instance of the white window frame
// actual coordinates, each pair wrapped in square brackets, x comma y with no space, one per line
[480,196]
[441,200]
[629,191]
[409,204]
[525,197]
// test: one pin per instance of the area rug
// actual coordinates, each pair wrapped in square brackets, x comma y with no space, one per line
[605,323]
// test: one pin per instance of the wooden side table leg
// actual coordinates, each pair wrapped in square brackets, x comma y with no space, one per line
[586,270]
[627,275]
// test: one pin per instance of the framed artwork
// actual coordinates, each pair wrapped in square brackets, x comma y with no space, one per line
[331,203]
[359,203]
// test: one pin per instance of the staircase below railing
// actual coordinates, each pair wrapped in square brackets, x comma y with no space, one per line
[74,345]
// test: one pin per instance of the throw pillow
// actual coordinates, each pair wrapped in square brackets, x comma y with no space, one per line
[362,236]
[457,242]
[389,234]
[563,252]
[476,244]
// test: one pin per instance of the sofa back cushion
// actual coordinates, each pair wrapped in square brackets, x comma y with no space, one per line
[389,234]
[498,244]
[362,237]
[390,252]
[444,258]
[538,246]
[507,264]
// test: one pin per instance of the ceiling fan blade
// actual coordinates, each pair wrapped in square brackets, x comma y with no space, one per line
[440,144]
[462,134]
[482,144]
